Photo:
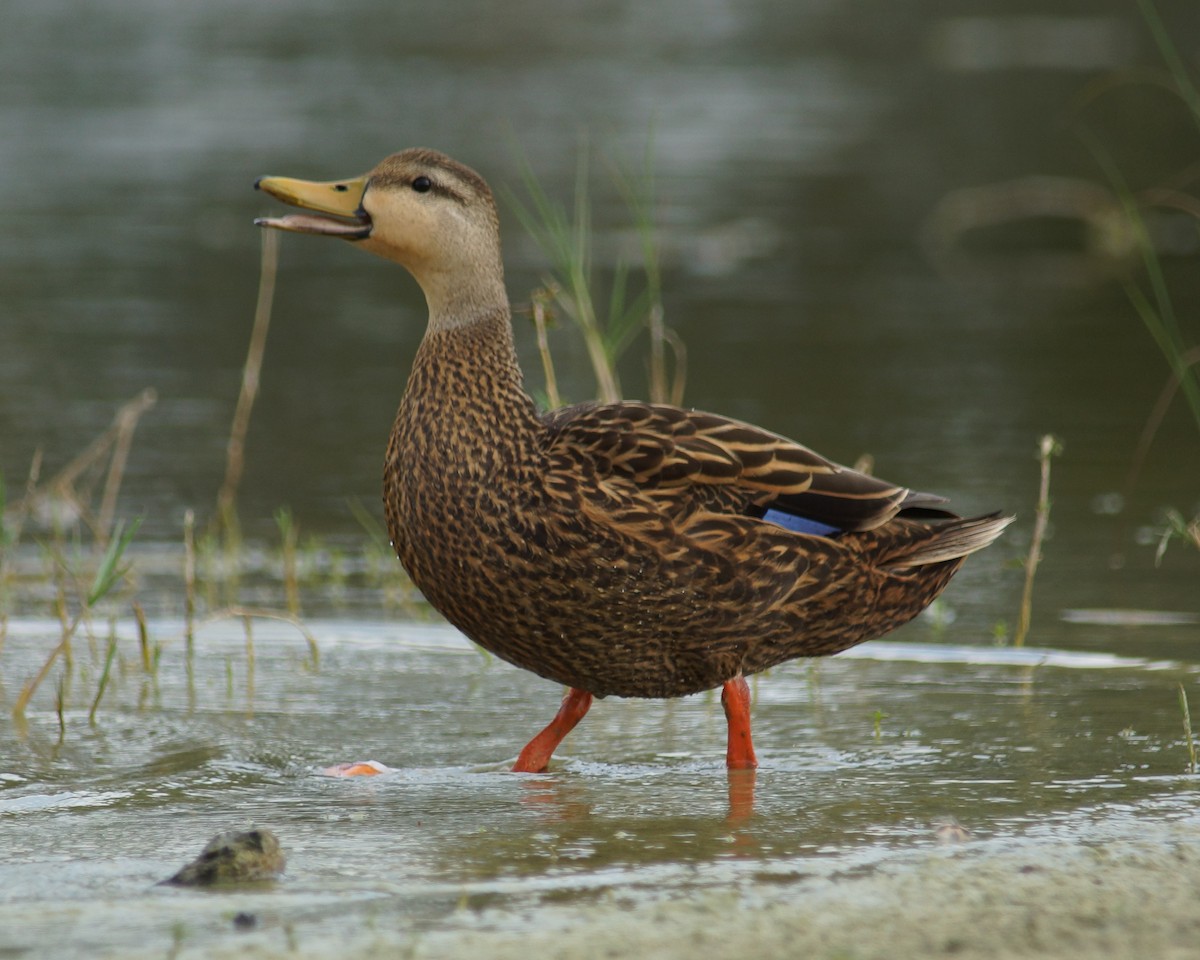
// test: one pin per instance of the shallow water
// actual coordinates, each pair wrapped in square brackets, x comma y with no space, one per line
[800,157]
[805,160]
[862,758]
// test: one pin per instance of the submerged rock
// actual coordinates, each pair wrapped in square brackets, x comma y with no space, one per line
[236,856]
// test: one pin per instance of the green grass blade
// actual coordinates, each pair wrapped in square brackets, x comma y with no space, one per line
[372,527]
[1170,53]
[111,570]
[104,675]
[1157,312]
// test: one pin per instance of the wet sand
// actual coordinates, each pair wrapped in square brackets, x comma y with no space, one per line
[1126,897]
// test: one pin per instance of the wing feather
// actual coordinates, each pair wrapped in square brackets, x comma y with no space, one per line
[697,459]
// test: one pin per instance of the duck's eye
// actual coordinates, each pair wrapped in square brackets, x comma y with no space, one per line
[422,184]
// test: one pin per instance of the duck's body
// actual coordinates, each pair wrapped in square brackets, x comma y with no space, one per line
[614,547]
[623,549]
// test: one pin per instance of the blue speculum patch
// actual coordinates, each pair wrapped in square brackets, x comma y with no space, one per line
[789,521]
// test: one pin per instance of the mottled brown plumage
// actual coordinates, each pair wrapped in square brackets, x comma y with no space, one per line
[624,549]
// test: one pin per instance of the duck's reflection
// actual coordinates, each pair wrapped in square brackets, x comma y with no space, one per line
[556,798]
[571,804]
[741,796]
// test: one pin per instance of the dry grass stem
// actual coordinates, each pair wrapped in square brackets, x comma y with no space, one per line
[10,535]
[31,685]
[658,354]
[60,698]
[1188,360]
[254,613]
[236,449]
[1047,449]
[679,352]
[65,486]
[124,425]
[110,571]
[540,299]
[289,535]
[189,583]
[248,626]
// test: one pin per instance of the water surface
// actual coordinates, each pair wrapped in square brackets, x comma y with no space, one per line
[810,168]
[863,758]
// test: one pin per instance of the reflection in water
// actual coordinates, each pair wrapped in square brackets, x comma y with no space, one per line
[741,796]
[553,798]
[558,799]
[987,43]
[1070,232]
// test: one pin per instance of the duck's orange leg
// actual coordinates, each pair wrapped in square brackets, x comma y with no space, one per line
[735,698]
[536,755]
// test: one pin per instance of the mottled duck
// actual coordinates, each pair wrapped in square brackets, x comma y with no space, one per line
[621,549]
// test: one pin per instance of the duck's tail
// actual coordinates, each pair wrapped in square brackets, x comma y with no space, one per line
[937,540]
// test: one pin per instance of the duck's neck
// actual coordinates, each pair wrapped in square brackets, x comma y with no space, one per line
[459,298]
[465,406]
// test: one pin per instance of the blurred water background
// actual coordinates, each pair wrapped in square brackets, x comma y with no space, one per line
[886,229]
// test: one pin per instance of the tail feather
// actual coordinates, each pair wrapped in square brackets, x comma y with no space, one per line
[950,540]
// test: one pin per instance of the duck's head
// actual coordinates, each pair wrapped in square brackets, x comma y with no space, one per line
[421,209]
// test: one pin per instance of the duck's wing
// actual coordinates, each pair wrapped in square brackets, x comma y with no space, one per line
[687,460]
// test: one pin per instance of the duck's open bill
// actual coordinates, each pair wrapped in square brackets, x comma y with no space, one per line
[342,198]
